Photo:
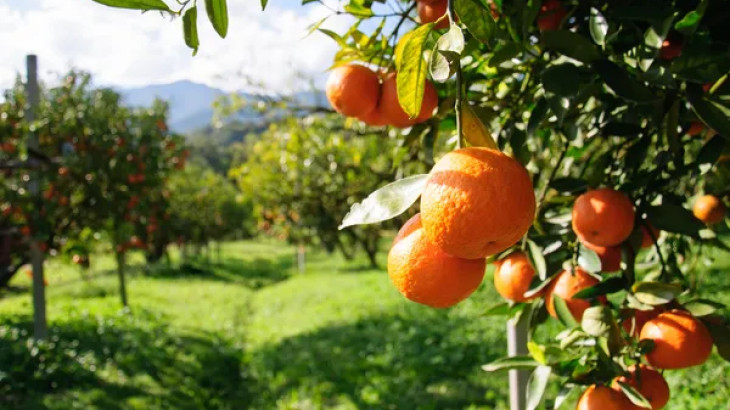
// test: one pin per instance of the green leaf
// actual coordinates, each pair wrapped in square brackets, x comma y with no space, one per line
[634,396]
[599,27]
[358,9]
[511,363]
[190,29]
[263,4]
[505,52]
[589,260]
[711,151]
[563,313]
[537,352]
[622,83]
[608,286]
[536,385]
[571,44]
[387,202]
[411,79]
[446,53]
[674,218]
[720,331]
[656,293]
[702,307]
[689,22]
[562,79]
[537,116]
[500,309]
[597,321]
[537,289]
[568,184]
[136,4]
[218,15]
[563,394]
[538,259]
[707,111]
[477,19]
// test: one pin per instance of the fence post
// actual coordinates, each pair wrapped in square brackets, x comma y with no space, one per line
[40,327]
[517,346]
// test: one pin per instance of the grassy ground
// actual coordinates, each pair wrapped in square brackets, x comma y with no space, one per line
[247,331]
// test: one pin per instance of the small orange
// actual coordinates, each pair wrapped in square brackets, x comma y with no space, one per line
[425,274]
[680,340]
[649,235]
[649,382]
[477,202]
[390,108]
[603,217]
[353,90]
[551,15]
[567,284]
[513,275]
[695,128]
[432,10]
[610,256]
[602,398]
[709,209]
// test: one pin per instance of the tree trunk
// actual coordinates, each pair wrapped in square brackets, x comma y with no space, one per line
[122,282]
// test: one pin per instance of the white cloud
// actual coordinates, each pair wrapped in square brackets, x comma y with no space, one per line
[123,47]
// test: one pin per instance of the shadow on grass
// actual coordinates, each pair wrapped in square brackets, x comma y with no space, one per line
[255,273]
[416,361]
[142,362]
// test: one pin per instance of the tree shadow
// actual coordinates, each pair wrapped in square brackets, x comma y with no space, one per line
[415,361]
[148,364]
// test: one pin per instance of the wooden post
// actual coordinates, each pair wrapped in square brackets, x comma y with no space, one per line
[120,273]
[517,346]
[40,327]
[301,260]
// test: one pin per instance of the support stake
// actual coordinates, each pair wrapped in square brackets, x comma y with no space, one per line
[517,346]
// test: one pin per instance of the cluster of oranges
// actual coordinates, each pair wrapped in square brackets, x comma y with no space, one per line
[355,90]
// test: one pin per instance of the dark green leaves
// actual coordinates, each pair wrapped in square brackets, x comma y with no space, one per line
[571,44]
[387,202]
[608,286]
[708,112]
[674,218]
[136,4]
[218,15]
[656,293]
[476,18]
[563,313]
[621,82]
[263,4]
[510,363]
[412,69]
[190,29]
[562,79]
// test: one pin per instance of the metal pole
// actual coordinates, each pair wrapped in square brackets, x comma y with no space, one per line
[517,346]
[40,328]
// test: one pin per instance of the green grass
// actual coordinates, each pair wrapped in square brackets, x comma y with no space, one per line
[248,331]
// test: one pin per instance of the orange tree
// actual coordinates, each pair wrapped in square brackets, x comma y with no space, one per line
[617,110]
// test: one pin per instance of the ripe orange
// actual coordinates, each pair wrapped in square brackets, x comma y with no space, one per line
[647,238]
[638,318]
[610,256]
[602,398]
[603,217]
[551,15]
[477,202]
[696,128]
[353,90]
[680,340]
[432,10]
[709,209]
[374,118]
[649,382]
[567,284]
[513,275]
[391,110]
[425,274]
[671,49]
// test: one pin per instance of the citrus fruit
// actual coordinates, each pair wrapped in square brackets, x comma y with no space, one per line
[603,217]
[636,319]
[647,381]
[432,10]
[425,274]
[602,398]
[477,202]
[709,209]
[389,106]
[695,128]
[551,15]
[610,256]
[513,275]
[567,284]
[353,90]
[680,340]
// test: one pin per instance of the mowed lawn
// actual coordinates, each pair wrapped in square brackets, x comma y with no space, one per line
[248,331]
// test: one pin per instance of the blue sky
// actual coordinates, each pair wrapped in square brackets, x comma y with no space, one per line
[127,48]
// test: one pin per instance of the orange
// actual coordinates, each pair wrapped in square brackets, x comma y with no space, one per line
[638,318]
[695,128]
[610,256]
[603,217]
[477,202]
[647,238]
[513,275]
[671,49]
[391,110]
[680,340]
[425,274]
[374,118]
[649,382]
[602,398]
[353,90]
[432,10]
[709,209]
[566,285]
[551,15]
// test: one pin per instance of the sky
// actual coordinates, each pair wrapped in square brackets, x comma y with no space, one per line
[127,48]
